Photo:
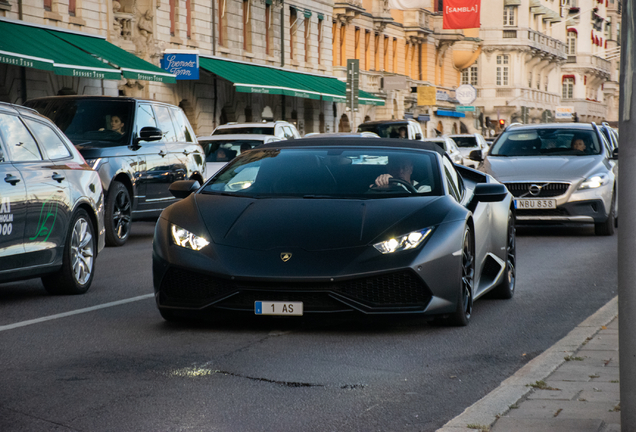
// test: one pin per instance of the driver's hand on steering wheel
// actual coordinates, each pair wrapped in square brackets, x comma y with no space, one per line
[382,180]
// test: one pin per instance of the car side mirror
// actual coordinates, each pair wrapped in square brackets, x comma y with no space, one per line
[418,136]
[490,192]
[183,188]
[150,133]
[476,155]
[615,153]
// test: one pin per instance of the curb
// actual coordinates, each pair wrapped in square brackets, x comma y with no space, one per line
[488,409]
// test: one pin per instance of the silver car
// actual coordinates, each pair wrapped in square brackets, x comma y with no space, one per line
[221,149]
[468,143]
[450,147]
[558,173]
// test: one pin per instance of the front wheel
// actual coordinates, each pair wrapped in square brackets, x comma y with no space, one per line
[78,266]
[118,217]
[506,288]
[464,309]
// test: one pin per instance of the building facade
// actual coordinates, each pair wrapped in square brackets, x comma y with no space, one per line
[542,54]
[400,51]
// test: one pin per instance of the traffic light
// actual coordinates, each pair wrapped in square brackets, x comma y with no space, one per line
[575,118]
[502,122]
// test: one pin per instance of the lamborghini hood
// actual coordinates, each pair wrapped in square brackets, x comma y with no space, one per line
[312,224]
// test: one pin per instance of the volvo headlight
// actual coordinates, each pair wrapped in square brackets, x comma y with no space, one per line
[186,239]
[595,181]
[403,242]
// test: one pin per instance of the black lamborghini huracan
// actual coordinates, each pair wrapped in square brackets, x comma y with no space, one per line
[302,227]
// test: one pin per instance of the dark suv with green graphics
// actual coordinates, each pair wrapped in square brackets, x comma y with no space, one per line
[138,147]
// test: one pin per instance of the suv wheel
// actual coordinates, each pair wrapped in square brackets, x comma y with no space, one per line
[118,217]
[607,228]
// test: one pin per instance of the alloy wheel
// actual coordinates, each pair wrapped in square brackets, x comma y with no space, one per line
[82,251]
[468,275]
[122,214]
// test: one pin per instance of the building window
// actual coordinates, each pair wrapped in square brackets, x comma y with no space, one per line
[247,26]
[48,4]
[470,76]
[608,28]
[568,88]
[307,36]
[538,81]
[367,54]
[502,70]
[529,79]
[189,19]
[222,22]
[545,83]
[319,28]
[268,32]
[293,21]
[395,58]
[356,52]
[571,43]
[173,8]
[72,7]
[510,16]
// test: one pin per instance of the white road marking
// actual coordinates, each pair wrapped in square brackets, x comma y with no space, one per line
[75,312]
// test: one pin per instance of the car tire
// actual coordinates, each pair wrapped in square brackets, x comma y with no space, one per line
[607,228]
[78,265]
[506,288]
[118,215]
[464,309]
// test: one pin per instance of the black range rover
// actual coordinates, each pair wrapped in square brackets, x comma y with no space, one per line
[138,147]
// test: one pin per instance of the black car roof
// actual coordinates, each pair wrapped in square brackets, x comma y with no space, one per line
[356,142]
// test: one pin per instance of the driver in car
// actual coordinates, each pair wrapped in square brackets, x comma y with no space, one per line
[116,125]
[400,169]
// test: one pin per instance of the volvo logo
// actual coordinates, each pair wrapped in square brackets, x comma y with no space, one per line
[535,190]
[285,256]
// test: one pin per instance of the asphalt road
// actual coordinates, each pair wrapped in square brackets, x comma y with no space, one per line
[122,368]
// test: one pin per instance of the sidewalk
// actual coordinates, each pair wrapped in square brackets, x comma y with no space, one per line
[571,387]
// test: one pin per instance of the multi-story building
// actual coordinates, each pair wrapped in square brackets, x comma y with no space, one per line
[258,59]
[542,54]
[612,53]
[399,51]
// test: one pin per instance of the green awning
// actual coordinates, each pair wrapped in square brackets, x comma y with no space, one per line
[34,47]
[132,67]
[253,78]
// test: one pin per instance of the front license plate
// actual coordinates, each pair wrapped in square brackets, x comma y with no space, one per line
[278,308]
[535,204]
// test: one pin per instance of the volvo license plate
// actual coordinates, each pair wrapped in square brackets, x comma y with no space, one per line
[535,204]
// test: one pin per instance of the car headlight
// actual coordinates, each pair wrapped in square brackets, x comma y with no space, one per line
[595,181]
[186,239]
[94,163]
[403,242]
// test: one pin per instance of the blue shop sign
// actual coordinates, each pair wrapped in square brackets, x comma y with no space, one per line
[185,66]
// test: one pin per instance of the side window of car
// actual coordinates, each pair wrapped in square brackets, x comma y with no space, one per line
[49,140]
[289,134]
[20,143]
[455,185]
[145,117]
[184,134]
[165,123]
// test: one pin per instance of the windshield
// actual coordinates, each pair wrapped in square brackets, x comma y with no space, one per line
[226,150]
[465,141]
[90,120]
[258,130]
[326,173]
[547,142]
[386,130]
